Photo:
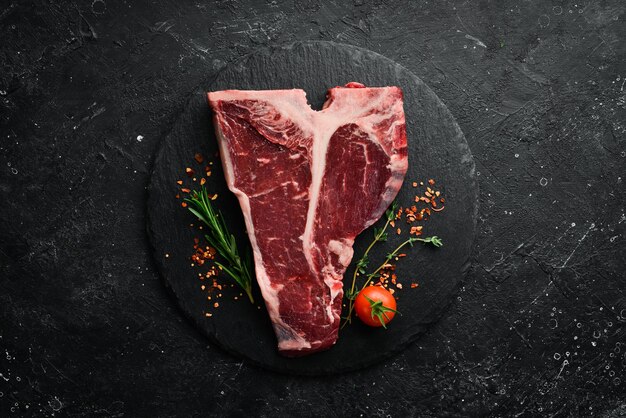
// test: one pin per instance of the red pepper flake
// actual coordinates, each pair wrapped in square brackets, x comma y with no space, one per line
[184,204]
[401,255]
[199,158]
[184,190]
[179,182]
[189,171]
[208,315]
[202,181]
[414,184]
[399,285]
[442,200]
[416,230]
[431,182]
[216,305]
[398,231]
[414,285]
[392,223]
[214,196]
[177,196]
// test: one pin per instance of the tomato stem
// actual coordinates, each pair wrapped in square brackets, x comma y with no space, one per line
[379,310]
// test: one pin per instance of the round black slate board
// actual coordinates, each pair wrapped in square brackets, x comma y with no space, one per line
[437,149]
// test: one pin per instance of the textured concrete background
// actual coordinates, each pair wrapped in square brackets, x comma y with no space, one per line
[87,90]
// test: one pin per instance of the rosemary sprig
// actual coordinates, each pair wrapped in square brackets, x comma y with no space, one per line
[237,267]
[434,240]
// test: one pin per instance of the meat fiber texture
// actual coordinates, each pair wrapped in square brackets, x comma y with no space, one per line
[308,183]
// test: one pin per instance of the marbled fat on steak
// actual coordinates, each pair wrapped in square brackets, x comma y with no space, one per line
[308,183]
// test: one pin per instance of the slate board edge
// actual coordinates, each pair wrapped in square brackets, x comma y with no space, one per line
[423,327]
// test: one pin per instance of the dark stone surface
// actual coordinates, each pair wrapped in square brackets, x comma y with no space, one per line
[437,149]
[86,326]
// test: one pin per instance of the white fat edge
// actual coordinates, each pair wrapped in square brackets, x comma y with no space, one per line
[294,345]
[290,102]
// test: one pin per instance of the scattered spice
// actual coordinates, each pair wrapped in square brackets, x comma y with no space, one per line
[189,171]
[199,158]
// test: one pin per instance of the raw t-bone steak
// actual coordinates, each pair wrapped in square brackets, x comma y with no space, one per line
[308,183]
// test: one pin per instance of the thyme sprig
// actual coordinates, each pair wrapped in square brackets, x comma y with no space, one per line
[238,268]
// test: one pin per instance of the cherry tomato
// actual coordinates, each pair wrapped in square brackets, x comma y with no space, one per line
[375,306]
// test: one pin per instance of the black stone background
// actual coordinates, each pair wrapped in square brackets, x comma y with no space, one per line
[87,90]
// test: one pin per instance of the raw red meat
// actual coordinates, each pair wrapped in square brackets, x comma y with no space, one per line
[308,183]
